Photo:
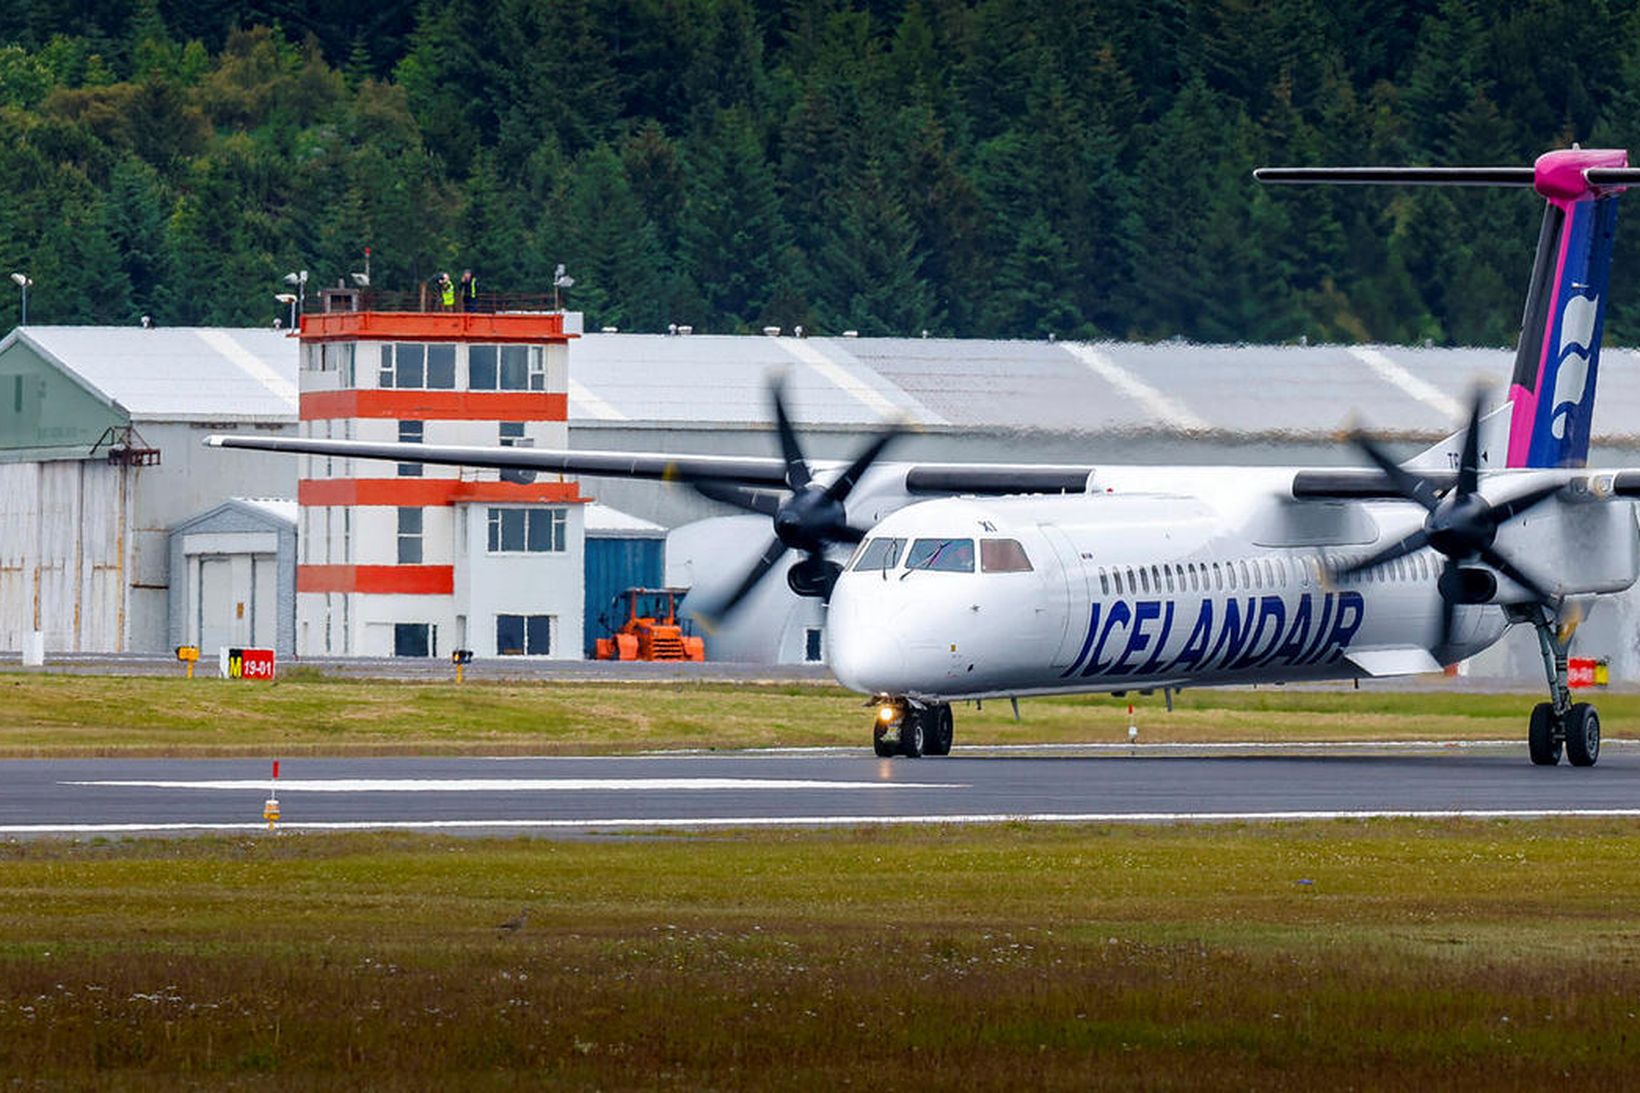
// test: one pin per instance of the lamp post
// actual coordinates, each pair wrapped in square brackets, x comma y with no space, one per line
[560,282]
[288,298]
[299,279]
[23,281]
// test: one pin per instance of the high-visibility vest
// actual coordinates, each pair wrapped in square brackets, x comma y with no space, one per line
[471,289]
[447,293]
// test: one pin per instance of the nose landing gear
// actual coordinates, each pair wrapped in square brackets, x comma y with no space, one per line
[908,727]
[1560,723]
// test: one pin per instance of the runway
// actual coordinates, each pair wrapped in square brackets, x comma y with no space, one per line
[817,787]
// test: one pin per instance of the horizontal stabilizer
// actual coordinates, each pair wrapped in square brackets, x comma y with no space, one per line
[1401,176]
[1407,660]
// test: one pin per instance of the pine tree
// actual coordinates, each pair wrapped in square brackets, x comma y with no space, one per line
[609,245]
[732,238]
[869,270]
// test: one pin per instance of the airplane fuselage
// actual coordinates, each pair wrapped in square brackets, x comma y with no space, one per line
[973,598]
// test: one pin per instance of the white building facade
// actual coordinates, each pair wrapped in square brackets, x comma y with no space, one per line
[418,561]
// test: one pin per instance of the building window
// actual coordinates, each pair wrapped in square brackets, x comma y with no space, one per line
[506,368]
[512,434]
[523,635]
[410,432]
[412,639]
[441,367]
[534,531]
[333,357]
[812,651]
[410,364]
[409,536]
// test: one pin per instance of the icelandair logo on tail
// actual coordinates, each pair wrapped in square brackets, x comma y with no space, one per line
[1577,322]
[1131,638]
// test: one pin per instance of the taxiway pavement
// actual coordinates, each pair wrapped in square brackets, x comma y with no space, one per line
[807,788]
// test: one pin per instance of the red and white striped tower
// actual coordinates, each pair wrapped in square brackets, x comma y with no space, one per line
[418,561]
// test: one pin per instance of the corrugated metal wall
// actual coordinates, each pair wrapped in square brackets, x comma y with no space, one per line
[63,554]
[614,565]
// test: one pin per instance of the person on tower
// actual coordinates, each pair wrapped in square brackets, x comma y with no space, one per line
[469,291]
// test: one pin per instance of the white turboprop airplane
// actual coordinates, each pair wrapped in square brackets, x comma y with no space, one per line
[980,581]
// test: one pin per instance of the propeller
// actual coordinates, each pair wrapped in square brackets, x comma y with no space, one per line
[810,518]
[1462,526]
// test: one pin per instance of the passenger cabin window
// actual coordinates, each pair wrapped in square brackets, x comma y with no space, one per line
[942,555]
[880,554]
[1002,556]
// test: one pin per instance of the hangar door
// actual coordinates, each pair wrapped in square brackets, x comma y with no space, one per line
[235,600]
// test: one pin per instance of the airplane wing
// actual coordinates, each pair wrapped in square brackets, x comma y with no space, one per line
[933,479]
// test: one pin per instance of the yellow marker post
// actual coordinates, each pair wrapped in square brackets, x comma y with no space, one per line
[189,656]
[461,658]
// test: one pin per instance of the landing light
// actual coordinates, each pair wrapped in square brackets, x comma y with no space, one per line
[885,714]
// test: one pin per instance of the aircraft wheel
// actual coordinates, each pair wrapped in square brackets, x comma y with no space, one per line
[885,749]
[1583,735]
[913,737]
[942,729]
[1540,737]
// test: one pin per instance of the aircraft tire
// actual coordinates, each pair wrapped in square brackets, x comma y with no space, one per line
[883,748]
[1583,736]
[942,729]
[913,737]
[1540,737]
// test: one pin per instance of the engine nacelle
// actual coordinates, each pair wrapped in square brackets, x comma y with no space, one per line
[1469,584]
[813,577]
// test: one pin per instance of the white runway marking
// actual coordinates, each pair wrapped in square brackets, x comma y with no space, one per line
[721,822]
[506,785]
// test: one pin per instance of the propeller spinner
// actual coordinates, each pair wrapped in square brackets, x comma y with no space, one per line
[1462,526]
[810,519]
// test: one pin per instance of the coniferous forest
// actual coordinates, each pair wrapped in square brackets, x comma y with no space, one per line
[1004,168]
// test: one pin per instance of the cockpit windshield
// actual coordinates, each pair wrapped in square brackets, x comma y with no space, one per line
[879,554]
[1003,556]
[941,555]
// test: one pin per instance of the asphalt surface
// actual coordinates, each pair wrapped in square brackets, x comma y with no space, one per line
[806,788]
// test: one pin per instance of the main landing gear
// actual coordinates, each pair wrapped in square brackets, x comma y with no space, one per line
[1560,723]
[908,727]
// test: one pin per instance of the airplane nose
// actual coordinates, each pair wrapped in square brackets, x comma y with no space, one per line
[863,645]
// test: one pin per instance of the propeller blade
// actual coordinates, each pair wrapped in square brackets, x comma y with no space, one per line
[840,489]
[797,471]
[1508,510]
[1469,464]
[741,497]
[1513,572]
[1449,575]
[845,533]
[1409,544]
[760,569]
[1413,487]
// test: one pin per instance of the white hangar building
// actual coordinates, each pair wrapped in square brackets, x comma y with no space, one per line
[100,456]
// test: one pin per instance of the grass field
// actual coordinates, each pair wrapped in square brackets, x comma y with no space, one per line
[1394,955]
[106,715]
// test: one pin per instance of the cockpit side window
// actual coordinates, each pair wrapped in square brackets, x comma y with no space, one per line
[1002,556]
[879,554]
[943,555]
